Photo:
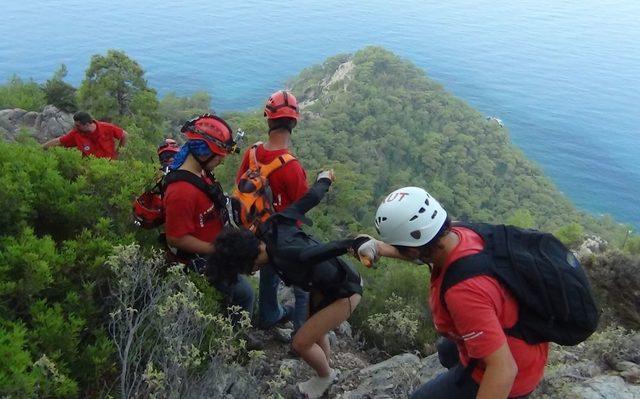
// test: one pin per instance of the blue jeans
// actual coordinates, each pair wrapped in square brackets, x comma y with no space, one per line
[239,293]
[455,383]
[452,384]
[270,311]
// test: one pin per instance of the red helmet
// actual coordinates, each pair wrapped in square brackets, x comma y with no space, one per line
[211,129]
[281,104]
[169,145]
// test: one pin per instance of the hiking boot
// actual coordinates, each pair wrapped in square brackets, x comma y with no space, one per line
[282,334]
[253,342]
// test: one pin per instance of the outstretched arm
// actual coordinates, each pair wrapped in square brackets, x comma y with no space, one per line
[313,196]
[322,252]
[52,143]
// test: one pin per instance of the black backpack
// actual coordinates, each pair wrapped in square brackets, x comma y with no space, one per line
[555,300]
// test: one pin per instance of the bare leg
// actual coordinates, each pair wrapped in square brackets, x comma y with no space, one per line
[326,347]
[313,332]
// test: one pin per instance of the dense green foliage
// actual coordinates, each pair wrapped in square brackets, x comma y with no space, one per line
[17,93]
[61,216]
[389,126]
[176,110]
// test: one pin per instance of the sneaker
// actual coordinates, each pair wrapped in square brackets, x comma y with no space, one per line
[316,386]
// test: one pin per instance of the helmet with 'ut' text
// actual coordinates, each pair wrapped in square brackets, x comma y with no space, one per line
[409,217]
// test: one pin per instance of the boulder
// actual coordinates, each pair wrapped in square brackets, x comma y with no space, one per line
[605,387]
[43,126]
[393,378]
[591,246]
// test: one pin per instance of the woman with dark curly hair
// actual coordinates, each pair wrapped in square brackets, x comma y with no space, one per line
[335,287]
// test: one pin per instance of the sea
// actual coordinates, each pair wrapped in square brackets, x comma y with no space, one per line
[562,75]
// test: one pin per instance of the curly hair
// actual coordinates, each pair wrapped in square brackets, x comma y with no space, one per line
[236,252]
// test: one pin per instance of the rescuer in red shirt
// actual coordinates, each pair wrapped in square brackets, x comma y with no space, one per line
[288,184]
[414,226]
[92,137]
[194,216]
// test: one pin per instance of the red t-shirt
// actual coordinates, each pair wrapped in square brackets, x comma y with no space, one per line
[100,143]
[190,211]
[288,183]
[478,310]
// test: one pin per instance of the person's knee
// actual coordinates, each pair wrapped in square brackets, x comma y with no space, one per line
[300,342]
[246,291]
[243,295]
[447,352]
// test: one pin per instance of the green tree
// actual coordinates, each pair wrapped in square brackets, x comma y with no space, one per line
[571,235]
[177,110]
[60,93]
[522,218]
[632,245]
[115,87]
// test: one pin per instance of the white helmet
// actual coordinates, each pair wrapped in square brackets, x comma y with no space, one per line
[409,217]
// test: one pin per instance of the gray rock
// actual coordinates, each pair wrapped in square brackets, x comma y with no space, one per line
[430,367]
[333,339]
[606,387]
[345,329]
[29,119]
[591,246]
[393,378]
[45,125]
[630,371]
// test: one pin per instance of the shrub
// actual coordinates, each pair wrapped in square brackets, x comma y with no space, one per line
[167,345]
[408,284]
[616,272]
[17,93]
[62,214]
[16,379]
[396,329]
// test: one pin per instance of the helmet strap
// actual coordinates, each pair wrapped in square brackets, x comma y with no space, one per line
[200,162]
[282,123]
[204,163]
[280,128]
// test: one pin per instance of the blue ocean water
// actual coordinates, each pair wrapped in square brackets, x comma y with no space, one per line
[564,75]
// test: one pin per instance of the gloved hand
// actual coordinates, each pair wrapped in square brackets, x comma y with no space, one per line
[365,249]
[326,174]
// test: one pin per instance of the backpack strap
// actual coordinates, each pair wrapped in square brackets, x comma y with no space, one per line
[253,160]
[213,191]
[463,269]
[277,163]
[494,256]
[267,169]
